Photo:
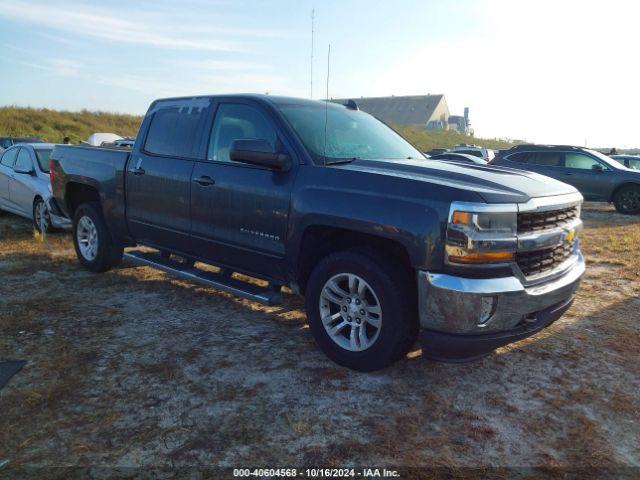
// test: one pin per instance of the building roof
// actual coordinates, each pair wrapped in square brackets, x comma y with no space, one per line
[404,110]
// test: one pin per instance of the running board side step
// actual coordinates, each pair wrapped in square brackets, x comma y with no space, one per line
[218,281]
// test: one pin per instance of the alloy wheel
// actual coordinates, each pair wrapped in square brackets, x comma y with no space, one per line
[350,312]
[87,236]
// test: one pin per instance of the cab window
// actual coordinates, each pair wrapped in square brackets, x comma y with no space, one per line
[173,131]
[237,122]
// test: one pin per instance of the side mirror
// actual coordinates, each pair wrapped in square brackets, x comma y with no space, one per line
[597,167]
[22,169]
[258,152]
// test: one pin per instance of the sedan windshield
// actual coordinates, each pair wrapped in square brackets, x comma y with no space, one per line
[43,159]
[350,134]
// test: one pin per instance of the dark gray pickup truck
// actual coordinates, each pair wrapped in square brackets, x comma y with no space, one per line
[386,245]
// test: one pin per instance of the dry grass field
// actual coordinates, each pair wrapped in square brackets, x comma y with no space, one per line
[134,369]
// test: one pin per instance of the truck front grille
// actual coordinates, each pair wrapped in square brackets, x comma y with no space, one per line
[548,220]
[540,261]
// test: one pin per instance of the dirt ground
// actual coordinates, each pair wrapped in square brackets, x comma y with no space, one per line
[134,369]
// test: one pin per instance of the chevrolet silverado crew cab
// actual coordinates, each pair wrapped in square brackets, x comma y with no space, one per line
[385,245]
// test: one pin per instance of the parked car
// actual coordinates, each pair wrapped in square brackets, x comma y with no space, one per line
[595,175]
[99,139]
[122,143]
[6,142]
[435,151]
[332,203]
[481,152]
[25,187]
[629,161]
[459,157]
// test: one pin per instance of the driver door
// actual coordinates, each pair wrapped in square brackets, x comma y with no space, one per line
[240,212]
[591,177]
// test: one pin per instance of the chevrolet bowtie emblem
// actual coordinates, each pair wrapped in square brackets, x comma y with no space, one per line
[569,236]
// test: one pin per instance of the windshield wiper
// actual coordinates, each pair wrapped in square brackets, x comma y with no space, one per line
[338,161]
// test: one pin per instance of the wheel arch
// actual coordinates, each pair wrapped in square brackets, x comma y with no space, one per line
[318,241]
[626,183]
[77,193]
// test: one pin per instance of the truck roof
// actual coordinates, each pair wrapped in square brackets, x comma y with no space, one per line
[273,99]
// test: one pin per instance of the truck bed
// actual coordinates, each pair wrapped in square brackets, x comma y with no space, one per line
[99,168]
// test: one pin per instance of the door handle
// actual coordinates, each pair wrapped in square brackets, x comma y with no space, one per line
[204,180]
[568,174]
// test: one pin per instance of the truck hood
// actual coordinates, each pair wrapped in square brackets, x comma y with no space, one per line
[493,183]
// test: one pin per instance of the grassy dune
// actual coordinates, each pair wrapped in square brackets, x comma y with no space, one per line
[53,126]
[425,140]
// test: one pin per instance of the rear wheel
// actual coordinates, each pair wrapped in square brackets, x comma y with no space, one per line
[41,218]
[94,245]
[361,310]
[627,200]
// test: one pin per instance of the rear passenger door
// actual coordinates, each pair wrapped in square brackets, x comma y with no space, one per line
[158,177]
[240,212]
[546,163]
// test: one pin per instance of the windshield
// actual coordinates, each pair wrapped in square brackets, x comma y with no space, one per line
[350,134]
[630,161]
[43,159]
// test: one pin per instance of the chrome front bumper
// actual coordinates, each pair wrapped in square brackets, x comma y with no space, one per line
[473,306]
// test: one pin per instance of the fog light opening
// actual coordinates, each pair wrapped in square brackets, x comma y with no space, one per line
[487,309]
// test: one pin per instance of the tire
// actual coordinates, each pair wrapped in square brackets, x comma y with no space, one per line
[627,200]
[390,288]
[39,211]
[90,230]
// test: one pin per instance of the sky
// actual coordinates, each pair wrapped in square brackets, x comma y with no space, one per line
[546,71]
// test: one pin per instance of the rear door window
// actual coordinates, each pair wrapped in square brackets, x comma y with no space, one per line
[9,157]
[520,157]
[173,131]
[43,159]
[545,159]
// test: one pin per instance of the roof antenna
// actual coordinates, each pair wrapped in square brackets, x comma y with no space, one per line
[313,16]
[326,106]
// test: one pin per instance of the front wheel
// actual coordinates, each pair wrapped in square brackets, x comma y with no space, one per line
[41,218]
[627,200]
[94,246]
[361,310]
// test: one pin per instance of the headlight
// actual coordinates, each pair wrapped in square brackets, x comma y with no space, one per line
[481,234]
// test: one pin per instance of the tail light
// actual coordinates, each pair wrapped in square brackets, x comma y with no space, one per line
[51,171]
